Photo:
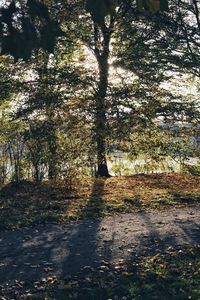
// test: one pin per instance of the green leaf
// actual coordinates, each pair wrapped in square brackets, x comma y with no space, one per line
[99,9]
[37,9]
[152,6]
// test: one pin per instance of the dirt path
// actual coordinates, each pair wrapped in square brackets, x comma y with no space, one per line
[62,250]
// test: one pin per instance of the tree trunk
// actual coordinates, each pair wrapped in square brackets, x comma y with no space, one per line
[37,174]
[102,35]
[100,129]
[52,144]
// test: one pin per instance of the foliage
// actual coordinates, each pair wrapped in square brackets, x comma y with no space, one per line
[161,143]
[99,9]
[152,6]
[164,42]
[35,29]
[118,169]
[12,147]
[190,169]
[73,112]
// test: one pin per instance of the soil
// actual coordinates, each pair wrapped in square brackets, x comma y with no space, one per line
[33,253]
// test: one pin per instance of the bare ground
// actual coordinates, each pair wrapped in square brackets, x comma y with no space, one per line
[30,254]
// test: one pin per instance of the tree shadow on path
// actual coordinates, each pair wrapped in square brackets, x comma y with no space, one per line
[33,253]
[87,248]
[158,237]
[65,249]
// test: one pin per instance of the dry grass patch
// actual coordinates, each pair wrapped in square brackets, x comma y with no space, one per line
[29,203]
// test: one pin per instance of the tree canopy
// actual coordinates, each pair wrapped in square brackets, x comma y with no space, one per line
[86,77]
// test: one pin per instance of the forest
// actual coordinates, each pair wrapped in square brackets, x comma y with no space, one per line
[99,119]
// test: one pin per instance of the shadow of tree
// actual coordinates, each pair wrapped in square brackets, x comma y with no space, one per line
[57,249]
[156,240]
[63,250]
[90,253]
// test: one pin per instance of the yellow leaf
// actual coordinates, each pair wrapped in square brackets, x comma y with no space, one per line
[67,286]
[50,278]
[125,274]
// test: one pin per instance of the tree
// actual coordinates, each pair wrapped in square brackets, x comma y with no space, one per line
[101,42]
[143,43]
[157,49]
[156,44]
[45,102]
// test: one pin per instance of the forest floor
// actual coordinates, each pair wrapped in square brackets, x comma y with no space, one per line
[30,203]
[148,249]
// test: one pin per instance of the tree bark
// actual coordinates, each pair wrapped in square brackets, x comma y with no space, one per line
[52,145]
[102,36]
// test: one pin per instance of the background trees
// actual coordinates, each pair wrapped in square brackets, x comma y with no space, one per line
[108,79]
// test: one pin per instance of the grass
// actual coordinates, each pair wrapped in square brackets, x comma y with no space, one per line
[173,275]
[30,203]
